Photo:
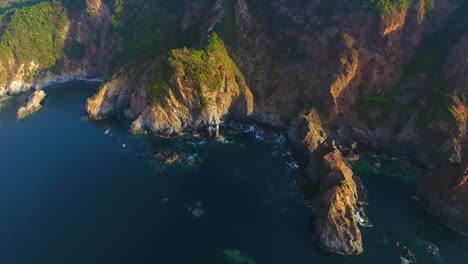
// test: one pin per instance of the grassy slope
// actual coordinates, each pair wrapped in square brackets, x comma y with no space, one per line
[198,68]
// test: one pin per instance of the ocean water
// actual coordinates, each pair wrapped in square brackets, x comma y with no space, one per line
[72,193]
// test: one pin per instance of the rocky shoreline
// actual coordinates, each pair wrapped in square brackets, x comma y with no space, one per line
[333,81]
[41,82]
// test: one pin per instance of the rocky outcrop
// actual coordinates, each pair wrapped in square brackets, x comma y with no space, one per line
[181,116]
[180,109]
[112,96]
[337,194]
[445,196]
[204,88]
[395,20]
[346,72]
[32,105]
[336,226]
[307,132]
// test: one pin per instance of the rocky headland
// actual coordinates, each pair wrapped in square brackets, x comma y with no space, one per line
[388,77]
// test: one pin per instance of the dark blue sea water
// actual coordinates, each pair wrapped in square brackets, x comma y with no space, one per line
[69,193]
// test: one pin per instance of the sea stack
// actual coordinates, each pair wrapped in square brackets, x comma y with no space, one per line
[33,104]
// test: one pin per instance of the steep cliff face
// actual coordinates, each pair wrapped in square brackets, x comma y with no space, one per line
[390,75]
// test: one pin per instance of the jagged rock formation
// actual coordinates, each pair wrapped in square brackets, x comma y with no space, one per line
[337,193]
[113,96]
[33,104]
[307,132]
[336,226]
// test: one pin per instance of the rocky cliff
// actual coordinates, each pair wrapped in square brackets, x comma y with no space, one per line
[362,69]
[389,75]
[45,43]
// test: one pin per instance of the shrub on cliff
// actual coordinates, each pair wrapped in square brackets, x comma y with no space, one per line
[198,68]
[386,7]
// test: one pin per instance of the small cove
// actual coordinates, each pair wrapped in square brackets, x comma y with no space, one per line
[70,193]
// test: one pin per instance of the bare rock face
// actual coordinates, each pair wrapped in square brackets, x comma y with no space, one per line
[32,105]
[180,110]
[395,21]
[111,97]
[347,71]
[337,195]
[445,195]
[335,226]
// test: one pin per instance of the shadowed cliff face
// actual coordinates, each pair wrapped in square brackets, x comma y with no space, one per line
[332,72]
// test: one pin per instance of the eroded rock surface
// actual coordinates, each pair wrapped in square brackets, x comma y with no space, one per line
[336,227]
[33,104]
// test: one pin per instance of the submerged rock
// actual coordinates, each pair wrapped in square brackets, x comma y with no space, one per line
[168,157]
[377,164]
[406,256]
[197,210]
[280,139]
[33,104]
[432,250]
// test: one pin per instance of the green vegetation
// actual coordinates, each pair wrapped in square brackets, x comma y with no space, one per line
[146,29]
[381,7]
[118,7]
[385,7]
[382,105]
[159,78]
[74,49]
[35,34]
[203,67]
[199,68]
[424,67]
[429,5]
[6,5]
[389,168]
[228,29]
